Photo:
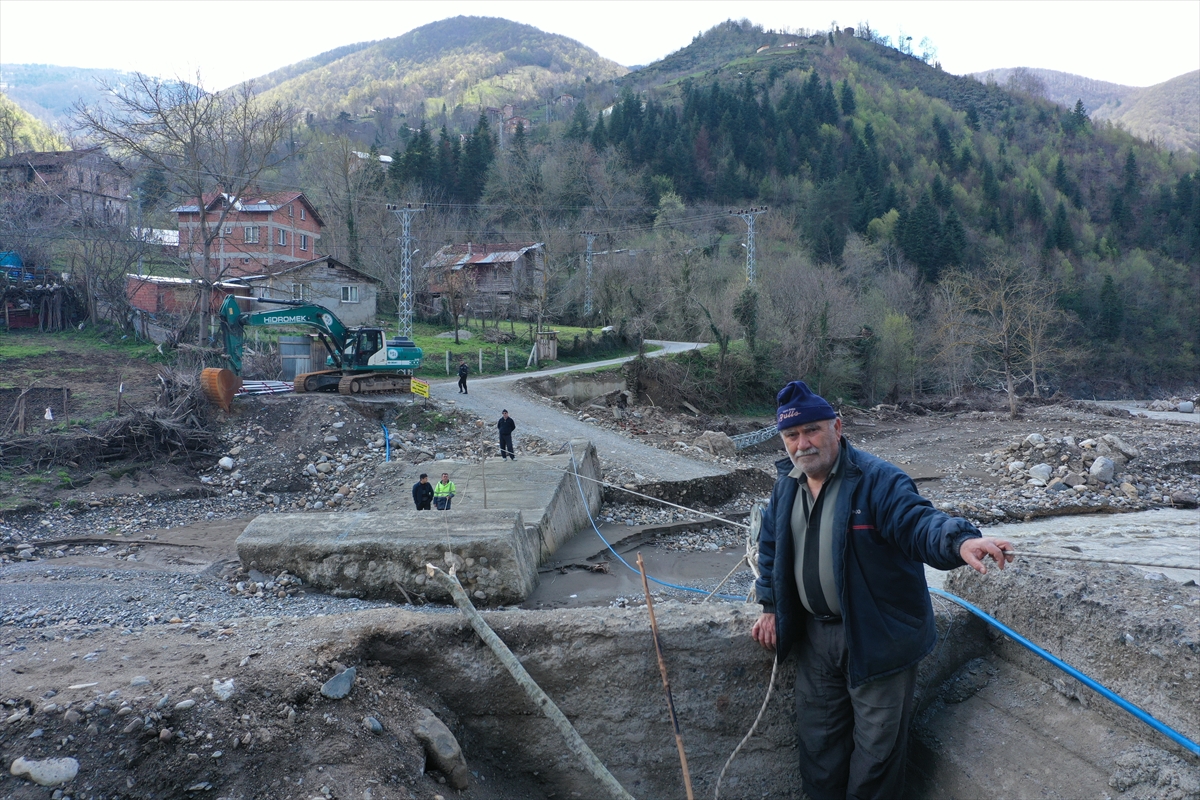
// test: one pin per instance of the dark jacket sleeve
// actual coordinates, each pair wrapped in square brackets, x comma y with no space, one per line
[913,525]
[763,588]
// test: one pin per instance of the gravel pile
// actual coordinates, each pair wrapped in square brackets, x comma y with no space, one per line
[72,601]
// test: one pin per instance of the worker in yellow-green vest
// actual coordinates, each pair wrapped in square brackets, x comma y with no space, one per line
[443,493]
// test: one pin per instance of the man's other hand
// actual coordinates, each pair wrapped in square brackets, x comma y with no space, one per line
[764,631]
[973,551]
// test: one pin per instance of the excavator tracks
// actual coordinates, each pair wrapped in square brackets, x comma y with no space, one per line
[374,382]
[323,381]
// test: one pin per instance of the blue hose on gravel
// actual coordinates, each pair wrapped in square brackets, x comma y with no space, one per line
[1121,702]
[387,443]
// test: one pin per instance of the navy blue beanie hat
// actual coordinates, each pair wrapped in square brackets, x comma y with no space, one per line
[797,405]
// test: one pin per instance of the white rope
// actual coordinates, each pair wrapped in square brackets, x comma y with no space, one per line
[749,733]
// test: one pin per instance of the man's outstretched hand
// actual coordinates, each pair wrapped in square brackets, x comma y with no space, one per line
[973,551]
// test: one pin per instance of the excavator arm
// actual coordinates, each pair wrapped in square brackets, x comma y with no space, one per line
[234,323]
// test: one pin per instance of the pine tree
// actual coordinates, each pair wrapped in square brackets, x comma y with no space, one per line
[477,157]
[1060,234]
[953,248]
[577,129]
[848,104]
[599,134]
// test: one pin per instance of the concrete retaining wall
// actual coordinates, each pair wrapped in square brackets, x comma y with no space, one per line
[384,556]
[533,505]
[578,389]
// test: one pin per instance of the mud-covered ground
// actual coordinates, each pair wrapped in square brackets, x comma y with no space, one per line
[122,588]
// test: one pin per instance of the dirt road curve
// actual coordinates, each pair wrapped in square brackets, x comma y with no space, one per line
[487,396]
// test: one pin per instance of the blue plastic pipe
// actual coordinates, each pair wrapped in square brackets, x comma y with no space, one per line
[387,443]
[1167,731]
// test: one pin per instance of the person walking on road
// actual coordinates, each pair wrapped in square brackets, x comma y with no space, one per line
[462,377]
[506,426]
[443,493]
[841,556]
[423,492]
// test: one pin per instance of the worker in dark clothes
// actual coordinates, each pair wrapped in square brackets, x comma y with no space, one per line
[423,493]
[462,377]
[506,426]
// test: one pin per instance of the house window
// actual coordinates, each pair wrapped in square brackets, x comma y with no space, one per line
[302,212]
[304,241]
[301,291]
[349,294]
[282,238]
[229,230]
[291,211]
[251,234]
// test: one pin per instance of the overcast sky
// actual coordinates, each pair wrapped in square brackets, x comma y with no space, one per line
[1133,43]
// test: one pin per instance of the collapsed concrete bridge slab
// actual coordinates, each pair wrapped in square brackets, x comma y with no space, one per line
[505,519]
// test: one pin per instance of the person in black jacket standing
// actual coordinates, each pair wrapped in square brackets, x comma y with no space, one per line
[506,426]
[842,550]
[462,377]
[423,493]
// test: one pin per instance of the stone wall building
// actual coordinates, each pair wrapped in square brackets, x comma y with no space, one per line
[351,295]
[92,188]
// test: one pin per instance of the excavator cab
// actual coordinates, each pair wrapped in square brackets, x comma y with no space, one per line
[366,343]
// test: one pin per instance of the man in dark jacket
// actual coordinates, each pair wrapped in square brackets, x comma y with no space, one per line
[423,493]
[841,553]
[462,377]
[506,426]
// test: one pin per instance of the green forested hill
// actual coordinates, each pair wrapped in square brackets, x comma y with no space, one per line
[21,131]
[49,92]
[464,61]
[1168,112]
[895,189]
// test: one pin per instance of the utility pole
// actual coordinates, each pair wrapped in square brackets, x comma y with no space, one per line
[748,216]
[405,300]
[587,289]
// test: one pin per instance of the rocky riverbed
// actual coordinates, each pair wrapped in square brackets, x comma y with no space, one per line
[130,573]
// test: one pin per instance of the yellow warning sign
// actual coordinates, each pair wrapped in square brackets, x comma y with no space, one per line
[419,388]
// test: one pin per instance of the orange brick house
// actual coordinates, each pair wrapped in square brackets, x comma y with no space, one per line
[261,233]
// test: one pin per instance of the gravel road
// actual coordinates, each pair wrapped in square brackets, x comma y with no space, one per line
[487,396]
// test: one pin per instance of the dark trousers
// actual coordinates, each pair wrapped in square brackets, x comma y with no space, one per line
[423,505]
[852,741]
[506,448]
[442,503]
[462,384]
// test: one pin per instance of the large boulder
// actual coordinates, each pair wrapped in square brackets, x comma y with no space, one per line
[1102,469]
[716,443]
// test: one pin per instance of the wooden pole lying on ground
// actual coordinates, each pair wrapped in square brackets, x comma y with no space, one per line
[575,742]
[662,667]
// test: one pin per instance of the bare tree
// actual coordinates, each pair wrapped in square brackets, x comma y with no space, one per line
[207,144]
[1001,301]
[100,259]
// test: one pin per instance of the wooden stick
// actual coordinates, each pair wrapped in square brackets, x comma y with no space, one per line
[662,667]
[575,742]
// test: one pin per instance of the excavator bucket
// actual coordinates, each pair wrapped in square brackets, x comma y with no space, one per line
[219,386]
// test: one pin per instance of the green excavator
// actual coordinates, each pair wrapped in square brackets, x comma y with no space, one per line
[360,360]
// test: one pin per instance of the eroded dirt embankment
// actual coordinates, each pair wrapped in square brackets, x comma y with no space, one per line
[98,698]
